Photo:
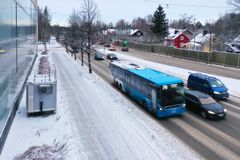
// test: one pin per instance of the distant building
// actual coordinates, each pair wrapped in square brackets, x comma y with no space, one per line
[237,40]
[201,42]
[177,38]
[135,33]
[110,32]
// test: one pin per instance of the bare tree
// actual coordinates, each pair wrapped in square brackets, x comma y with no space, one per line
[89,16]
[73,34]
[235,3]
[226,29]
[122,26]
[185,22]
[44,26]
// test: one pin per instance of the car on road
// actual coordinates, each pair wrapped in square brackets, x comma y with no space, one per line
[99,56]
[204,105]
[207,84]
[112,48]
[124,49]
[112,56]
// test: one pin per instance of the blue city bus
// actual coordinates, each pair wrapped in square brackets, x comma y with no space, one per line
[158,92]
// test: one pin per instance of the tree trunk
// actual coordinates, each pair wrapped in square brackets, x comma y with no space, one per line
[89,62]
[81,52]
[45,46]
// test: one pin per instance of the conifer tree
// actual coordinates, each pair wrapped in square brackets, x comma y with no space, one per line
[160,23]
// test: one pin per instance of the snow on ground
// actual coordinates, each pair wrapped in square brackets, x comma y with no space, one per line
[232,84]
[95,120]
[39,130]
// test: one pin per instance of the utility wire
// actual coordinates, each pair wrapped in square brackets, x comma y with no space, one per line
[185,5]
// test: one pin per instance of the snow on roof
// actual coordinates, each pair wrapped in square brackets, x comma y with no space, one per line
[237,39]
[132,32]
[105,32]
[174,33]
[201,39]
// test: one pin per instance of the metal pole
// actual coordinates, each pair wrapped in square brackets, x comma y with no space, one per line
[238,61]
[82,52]
[16,32]
[35,7]
[89,61]
[210,43]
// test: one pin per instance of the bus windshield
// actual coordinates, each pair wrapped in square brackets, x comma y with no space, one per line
[171,95]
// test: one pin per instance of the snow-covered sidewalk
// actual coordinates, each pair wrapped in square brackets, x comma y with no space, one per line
[94,120]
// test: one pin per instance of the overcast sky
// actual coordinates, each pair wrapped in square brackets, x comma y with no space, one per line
[113,10]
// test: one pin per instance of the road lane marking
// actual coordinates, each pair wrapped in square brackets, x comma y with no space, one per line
[214,130]
[230,105]
[213,145]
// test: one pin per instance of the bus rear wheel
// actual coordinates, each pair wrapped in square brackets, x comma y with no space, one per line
[120,87]
[116,84]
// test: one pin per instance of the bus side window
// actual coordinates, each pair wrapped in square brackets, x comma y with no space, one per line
[138,83]
[146,89]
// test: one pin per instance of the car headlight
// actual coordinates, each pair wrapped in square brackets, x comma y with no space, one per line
[211,112]
[215,92]
[225,110]
[184,105]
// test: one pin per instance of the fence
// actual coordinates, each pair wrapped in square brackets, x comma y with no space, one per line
[220,58]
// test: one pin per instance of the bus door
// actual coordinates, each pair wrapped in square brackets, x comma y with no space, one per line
[128,83]
[154,99]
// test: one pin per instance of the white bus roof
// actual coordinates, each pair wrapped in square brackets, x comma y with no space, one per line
[127,65]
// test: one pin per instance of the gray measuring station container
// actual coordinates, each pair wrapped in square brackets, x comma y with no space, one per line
[42,88]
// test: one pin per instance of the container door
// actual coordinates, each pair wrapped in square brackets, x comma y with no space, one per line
[154,99]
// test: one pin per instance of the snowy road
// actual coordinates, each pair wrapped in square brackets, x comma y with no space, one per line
[212,139]
[107,125]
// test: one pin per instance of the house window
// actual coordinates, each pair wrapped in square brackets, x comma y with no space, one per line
[181,45]
[182,38]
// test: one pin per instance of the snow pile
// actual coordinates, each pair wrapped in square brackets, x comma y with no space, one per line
[36,133]
[45,152]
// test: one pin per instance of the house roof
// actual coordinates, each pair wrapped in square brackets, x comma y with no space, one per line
[201,39]
[237,39]
[112,31]
[132,32]
[174,33]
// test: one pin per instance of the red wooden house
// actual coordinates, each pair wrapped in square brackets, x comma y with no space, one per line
[177,39]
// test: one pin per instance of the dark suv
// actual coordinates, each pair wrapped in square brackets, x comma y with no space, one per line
[204,105]
[207,84]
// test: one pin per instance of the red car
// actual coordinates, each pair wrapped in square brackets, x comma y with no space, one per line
[124,49]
